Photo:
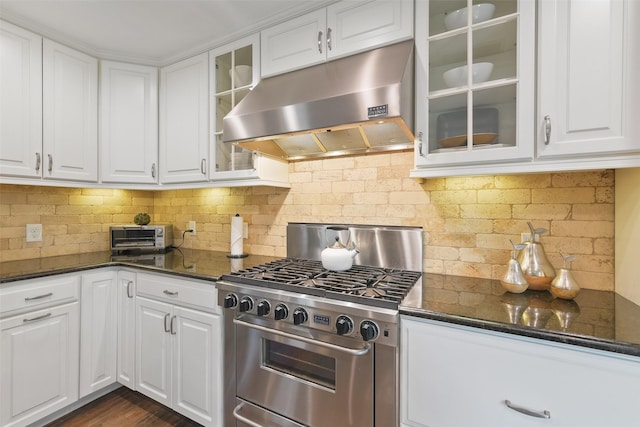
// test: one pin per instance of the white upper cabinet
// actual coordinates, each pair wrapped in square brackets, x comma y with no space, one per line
[588,66]
[358,26]
[474,82]
[128,123]
[296,43]
[184,121]
[70,113]
[341,29]
[585,87]
[235,70]
[20,102]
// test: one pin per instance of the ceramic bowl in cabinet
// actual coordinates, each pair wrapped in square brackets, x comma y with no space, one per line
[457,77]
[241,75]
[458,18]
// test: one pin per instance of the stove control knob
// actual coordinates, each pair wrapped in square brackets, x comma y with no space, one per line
[263,308]
[344,325]
[281,312]
[299,316]
[368,330]
[246,304]
[230,301]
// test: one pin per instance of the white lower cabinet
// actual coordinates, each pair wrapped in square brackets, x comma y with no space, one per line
[178,349]
[458,376]
[98,331]
[126,308]
[39,348]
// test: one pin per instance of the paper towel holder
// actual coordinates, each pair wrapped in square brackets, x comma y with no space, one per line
[242,254]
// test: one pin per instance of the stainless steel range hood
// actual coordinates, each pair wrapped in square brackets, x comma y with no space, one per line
[358,104]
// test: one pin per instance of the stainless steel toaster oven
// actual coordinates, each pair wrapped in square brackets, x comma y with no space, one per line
[145,238]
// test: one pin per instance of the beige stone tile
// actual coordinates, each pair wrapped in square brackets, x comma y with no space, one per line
[593,229]
[536,212]
[563,195]
[485,211]
[502,196]
[457,225]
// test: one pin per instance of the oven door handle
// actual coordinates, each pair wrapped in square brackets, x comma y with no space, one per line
[350,351]
[251,423]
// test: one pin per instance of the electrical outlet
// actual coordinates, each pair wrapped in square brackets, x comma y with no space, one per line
[34,232]
[192,226]
[525,237]
[245,230]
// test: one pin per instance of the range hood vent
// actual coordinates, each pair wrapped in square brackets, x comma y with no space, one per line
[358,104]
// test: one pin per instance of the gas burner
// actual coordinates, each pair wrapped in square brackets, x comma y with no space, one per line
[366,284]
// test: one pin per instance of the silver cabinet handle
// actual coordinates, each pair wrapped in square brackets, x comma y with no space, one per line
[130,289]
[153,170]
[171,294]
[172,327]
[351,351]
[203,166]
[38,161]
[420,145]
[547,130]
[38,297]
[319,41]
[166,326]
[329,38]
[33,319]
[537,414]
[50,168]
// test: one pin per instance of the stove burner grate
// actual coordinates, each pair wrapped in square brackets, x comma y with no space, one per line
[360,283]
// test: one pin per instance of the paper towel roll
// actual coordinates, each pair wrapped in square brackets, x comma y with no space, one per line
[236,235]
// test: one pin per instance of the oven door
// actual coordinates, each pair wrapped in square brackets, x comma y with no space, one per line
[312,382]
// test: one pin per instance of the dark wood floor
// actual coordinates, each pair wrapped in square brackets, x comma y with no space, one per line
[122,408]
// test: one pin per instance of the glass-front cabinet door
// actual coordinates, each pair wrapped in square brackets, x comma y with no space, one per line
[235,70]
[474,82]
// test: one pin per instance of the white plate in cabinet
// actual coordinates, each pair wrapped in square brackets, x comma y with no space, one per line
[455,376]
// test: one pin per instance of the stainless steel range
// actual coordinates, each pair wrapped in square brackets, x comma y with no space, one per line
[307,346]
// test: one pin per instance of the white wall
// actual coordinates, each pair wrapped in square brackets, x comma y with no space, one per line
[627,233]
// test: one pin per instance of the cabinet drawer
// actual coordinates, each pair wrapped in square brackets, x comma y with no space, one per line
[178,291]
[37,293]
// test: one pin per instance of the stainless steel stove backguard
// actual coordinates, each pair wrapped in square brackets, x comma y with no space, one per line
[379,245]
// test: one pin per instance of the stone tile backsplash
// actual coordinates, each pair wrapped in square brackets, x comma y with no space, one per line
[468,221]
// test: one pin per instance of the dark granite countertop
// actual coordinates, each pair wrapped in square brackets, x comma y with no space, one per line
[595,319]
[197,264]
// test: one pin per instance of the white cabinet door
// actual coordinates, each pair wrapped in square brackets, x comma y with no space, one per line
[98,331]
[128,123]
[153,349]
[20,102]
[474,122]
[38,363]
[294,44]
[357,26]
[588,88]
[184,120]
[197,373]
[342,29]
[126,357]
[70,113]
[459,376]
